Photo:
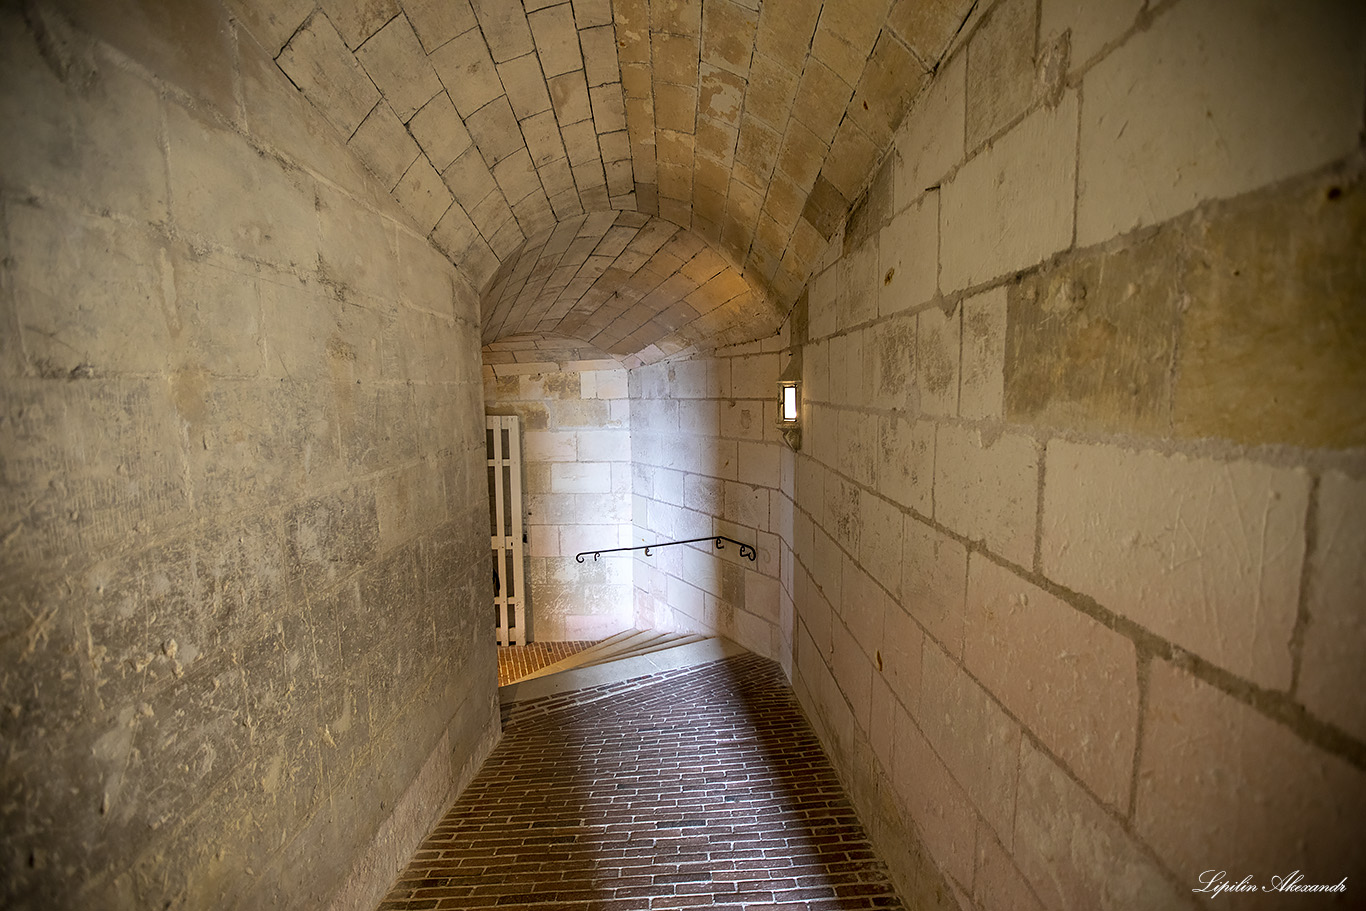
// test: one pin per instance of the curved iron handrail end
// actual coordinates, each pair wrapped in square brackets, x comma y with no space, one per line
[746,550]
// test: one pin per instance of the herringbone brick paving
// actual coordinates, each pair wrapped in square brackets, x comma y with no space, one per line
[516,661]
[697,788]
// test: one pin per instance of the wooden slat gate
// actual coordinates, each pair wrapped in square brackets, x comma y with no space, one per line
[505,514]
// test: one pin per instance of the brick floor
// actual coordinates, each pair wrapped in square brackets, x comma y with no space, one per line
[697,788]
[516,661]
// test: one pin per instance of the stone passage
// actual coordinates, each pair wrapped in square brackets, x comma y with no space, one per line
[697,788]
[516,661]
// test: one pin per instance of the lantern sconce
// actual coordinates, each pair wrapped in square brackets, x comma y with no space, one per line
[790,411]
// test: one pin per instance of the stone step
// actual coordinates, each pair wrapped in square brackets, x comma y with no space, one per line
[666,658]
[667,641]
[627,639]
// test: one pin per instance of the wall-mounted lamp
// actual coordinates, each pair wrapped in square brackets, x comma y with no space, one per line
[790,411]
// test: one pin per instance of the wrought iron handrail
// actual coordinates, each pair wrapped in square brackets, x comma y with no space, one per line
[746,550]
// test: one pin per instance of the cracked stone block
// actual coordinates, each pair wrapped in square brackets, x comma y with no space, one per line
[438,21]
[557,40]
[385,146]
[319,63]
[467,71]
[396,62]
[422,194]
[440,132]
[357,20]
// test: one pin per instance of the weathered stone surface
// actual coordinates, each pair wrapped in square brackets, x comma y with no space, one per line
[1256,63]
[440,132]
[557,41]
[889,364]
[180,500]
[384,145]
[906,467]
[88,431]
[64,269]
[1272,343]
[979,743]
[468,73]
[188,45]
[80,139]
[934,579]
[357,20]
[395,61]
[1069,680]
[937,351]
[213,173]
[272,24]
[988,489]
[891,79]
[317,62]
[928,27]
[525,86]
[944,816]
[1165,541]
[1011,205]
[1089,342]
[982,383]
[1255,291]
[1223,787]
[1000,69]
[1091,26]
[1336,586]
[423,195]
[908,257]
[505,29]
[438,21]
[286,124]
[1074,853]
[932,141]
[998,884]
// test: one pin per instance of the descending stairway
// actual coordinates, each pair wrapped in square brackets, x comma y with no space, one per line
[627,655]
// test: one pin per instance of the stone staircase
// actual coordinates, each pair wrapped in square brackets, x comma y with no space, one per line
[625,656]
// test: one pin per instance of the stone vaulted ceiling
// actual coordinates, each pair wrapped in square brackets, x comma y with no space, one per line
[640,175]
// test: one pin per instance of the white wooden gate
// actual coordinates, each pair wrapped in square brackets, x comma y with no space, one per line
[505,525]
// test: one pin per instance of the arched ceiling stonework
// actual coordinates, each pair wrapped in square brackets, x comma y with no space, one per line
[539,351]
[643,175]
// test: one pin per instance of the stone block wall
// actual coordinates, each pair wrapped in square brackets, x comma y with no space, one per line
[708,459]
[576,452]
[1078,518]
[244,649]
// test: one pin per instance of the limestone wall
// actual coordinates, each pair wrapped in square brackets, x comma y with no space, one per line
[576,451]
[708,459]
[244,647]
[1079,514]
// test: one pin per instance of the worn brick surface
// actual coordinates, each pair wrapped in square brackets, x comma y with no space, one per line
[703,788]
[517,661]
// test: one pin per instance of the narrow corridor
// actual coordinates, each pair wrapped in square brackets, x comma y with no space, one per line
[702,787]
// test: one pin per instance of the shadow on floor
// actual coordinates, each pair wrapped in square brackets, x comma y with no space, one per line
[701,787]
